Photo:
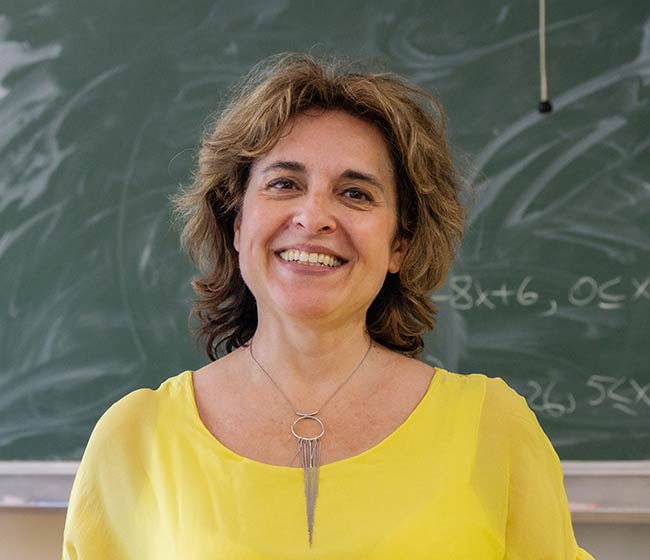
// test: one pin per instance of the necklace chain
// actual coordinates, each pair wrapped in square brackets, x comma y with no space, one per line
[250,348]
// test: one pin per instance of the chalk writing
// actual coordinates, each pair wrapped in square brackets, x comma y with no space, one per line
[541,400]
[467,293]
[623,394]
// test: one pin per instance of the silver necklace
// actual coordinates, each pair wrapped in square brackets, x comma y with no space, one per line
[309,447]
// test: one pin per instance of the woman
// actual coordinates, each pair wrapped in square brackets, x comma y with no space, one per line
[324,210]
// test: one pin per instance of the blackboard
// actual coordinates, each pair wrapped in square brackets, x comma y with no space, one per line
[101,108]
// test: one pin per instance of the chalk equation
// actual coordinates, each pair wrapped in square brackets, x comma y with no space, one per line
[614,293]
[623,394]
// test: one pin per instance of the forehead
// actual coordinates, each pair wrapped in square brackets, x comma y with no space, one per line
[332,140]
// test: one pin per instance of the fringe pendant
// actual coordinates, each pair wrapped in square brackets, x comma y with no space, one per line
[310,453]
[309,449]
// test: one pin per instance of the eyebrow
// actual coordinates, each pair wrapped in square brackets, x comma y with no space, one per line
[359,176]
[286,165]
[347,174]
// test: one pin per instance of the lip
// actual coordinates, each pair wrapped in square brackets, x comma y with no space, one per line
[309,248]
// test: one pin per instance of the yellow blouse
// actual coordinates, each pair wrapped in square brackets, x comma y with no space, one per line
[469,475]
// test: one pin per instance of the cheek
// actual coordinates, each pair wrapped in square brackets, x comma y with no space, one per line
[381,236]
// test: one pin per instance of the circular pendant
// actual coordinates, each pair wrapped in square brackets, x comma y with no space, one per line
[305,416]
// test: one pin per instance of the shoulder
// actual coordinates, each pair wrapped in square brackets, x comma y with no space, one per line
[494,392]
[504,400]
[505,421]
[495,409]
[123,442]
[136,413]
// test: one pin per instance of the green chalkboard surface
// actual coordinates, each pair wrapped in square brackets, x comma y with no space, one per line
[101,108]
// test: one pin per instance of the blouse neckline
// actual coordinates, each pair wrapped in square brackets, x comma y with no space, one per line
[188,386]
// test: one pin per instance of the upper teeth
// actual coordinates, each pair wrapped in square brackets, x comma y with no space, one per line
[310,258]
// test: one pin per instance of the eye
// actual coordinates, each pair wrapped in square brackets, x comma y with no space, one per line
[282,184]
[356,193]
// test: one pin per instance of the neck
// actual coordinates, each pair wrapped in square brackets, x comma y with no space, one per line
[308,362]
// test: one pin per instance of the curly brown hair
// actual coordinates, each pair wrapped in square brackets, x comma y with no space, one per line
[431,213]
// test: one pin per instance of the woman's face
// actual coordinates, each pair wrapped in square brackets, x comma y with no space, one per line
[316,232]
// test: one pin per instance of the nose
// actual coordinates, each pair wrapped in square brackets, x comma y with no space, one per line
[314,214]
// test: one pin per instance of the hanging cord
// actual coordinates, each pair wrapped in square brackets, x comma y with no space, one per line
[544,104]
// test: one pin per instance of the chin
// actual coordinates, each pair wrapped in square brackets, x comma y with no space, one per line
[306,311]
[306,307]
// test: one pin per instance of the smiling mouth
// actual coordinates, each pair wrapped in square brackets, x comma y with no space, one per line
[310,259]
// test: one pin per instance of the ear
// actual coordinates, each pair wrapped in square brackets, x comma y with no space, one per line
[397,254]
[236,227]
